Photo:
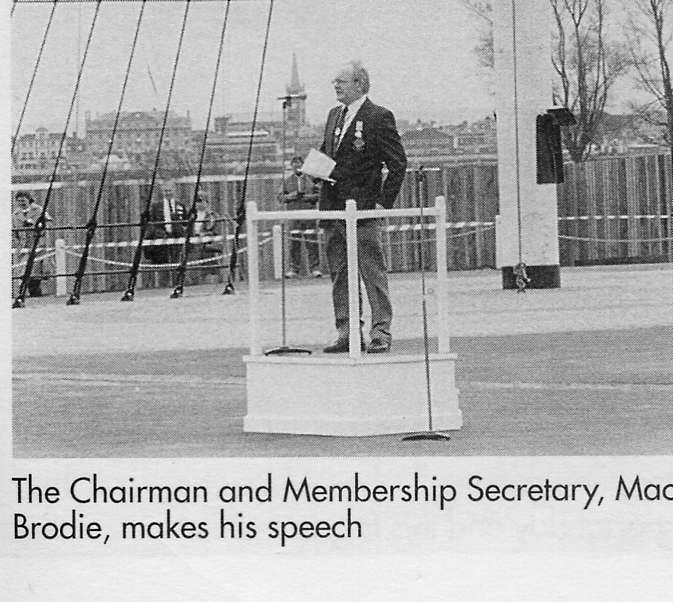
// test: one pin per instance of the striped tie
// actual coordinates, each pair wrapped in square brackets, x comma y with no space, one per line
[338,130]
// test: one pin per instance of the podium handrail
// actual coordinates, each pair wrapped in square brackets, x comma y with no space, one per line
[316,214]
[350,215]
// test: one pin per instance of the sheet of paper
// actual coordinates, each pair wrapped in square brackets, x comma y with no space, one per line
[318,165]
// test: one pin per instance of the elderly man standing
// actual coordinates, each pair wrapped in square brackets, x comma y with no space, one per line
[361,137]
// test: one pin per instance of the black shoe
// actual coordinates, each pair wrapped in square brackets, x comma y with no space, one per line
[378,346]
[341,346]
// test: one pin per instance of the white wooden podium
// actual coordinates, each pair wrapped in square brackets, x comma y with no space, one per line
[352,394]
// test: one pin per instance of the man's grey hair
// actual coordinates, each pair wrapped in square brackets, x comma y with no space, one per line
[360,74]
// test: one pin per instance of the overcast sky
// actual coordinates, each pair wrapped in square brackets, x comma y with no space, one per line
[420,57]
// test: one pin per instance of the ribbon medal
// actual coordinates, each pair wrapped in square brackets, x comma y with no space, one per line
[359,143]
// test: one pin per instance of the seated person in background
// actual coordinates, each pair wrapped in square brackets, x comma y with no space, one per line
[166,220]
[299,192]
[165,211]
[206,225]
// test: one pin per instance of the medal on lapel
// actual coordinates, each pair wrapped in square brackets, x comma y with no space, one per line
[358,143]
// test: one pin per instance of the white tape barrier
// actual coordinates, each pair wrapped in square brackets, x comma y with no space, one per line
[573,218]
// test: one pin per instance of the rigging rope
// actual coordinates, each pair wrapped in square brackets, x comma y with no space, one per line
[516,131]
[92,223]
[40,222]
[179,287]
[240,212]
[32,79]
[522,278]
[145,215]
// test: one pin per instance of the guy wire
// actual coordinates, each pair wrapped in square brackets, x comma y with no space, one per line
[144,218]
[35,68]
[40,222]
[92,224]
[240,213]
[177,291]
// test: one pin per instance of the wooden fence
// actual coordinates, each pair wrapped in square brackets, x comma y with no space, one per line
[615,210]
[610,210]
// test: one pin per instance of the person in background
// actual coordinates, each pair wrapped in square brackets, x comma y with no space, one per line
[175,214]
[166,220]
[26,213]
[206,225]
[300,192]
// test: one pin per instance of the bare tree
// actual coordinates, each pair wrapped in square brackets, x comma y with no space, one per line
[483,10]
[649,31]
[585,63]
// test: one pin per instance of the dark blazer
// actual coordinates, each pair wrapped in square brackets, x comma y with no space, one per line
[158,230]
[358,166]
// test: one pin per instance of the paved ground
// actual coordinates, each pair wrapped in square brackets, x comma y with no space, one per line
[585,369]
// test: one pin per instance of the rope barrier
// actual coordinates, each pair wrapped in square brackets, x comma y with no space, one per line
[615,240]
[161,266]
[149,265]
[148,242]
[300,235]
[571,218]
[27,250]
[37,259]
[118,224]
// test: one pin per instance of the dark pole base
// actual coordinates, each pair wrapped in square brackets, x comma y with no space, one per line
[286,350]
[541,276]
[228,289]
[427,436]
[128,296]
[73,300]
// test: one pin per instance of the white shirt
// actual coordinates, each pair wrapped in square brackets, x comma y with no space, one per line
[200,221]
[169,209]
[353,108]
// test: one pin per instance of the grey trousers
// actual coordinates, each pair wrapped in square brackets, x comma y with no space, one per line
[311,241]
[372,272]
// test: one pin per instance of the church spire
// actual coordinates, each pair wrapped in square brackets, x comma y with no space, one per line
[296,113]
[295,87]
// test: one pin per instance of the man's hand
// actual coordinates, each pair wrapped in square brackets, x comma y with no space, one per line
[288,197]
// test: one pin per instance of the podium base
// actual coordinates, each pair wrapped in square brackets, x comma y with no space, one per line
[340,396]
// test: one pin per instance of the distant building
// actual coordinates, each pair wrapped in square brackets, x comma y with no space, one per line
[619,134]
[435,142]
[138,132]
[232,147]
[428,143]
[230,141]
[473,138]
[37,152]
